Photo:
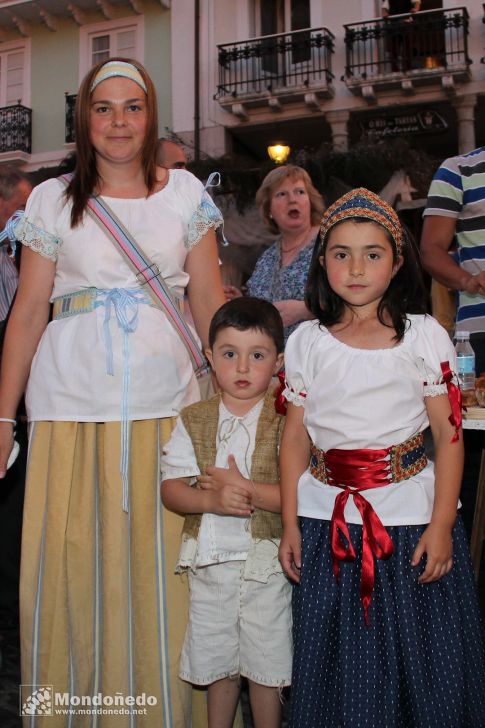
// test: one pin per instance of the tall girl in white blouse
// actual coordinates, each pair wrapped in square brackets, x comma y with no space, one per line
[386,624]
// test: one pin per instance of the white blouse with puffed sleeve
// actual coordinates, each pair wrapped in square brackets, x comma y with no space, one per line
[367,398]
[69,378]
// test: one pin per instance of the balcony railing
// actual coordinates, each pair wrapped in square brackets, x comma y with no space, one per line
[69,135]
[413,43]
[15,129]
[268,64]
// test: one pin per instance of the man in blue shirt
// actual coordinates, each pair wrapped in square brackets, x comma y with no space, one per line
[455,213]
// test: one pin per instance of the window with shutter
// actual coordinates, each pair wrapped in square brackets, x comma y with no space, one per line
[101,41]
[15,74]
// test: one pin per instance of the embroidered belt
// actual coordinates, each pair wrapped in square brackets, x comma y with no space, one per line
[358,470]
[72,303]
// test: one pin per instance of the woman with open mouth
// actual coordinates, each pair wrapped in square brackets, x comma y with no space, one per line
[291,207]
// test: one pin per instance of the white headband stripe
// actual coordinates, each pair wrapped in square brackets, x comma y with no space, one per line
[112,69]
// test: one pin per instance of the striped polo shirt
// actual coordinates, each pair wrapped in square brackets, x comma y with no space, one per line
[458,191]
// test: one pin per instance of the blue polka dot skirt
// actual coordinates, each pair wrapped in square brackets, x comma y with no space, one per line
[420,663]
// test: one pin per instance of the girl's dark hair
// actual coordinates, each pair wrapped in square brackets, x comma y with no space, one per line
[85,177]
[247,313]
[406,292]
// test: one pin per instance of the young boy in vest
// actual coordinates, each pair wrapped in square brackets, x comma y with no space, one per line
[227,447]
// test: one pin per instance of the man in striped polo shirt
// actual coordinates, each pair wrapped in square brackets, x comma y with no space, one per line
[455,213]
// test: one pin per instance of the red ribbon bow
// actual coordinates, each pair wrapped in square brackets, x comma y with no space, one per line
[280,400]
[360,469]
[454,395]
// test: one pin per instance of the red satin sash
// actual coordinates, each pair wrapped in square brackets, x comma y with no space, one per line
[360,470]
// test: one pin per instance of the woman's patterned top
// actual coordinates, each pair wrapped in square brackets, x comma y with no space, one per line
[274,283]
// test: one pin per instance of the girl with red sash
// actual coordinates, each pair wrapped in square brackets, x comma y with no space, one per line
[386,624]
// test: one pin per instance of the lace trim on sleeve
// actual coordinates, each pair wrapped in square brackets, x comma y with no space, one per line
[434,390]
[296,398]
[39,240]
[206,216]
[433,385]
[449,381]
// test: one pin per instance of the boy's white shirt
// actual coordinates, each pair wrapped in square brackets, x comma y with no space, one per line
[222,538]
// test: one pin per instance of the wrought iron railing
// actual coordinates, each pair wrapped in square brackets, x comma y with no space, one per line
[272,62]
[69,120]
[402,43]
[15,129]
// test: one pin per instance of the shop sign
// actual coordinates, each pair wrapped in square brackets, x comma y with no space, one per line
[419,122]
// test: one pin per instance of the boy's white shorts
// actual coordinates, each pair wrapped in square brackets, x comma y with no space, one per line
[237,627]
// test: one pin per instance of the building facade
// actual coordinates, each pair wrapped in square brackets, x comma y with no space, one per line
[47,46]
[305,72]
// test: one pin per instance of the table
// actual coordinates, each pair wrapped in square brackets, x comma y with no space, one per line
[478,527]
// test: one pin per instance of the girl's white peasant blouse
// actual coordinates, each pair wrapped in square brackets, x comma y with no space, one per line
[367,398]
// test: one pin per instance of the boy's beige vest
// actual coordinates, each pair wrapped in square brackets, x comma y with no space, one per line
[201,421]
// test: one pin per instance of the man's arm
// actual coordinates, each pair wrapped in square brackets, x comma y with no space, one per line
[436,240]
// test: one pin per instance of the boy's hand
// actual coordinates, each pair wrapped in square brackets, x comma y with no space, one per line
[289,552]
[216,478]
[436,543]
[231,492]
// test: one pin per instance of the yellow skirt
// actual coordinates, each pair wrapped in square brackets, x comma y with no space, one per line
[102,613]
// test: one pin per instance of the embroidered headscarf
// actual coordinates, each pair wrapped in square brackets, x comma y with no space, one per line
[118,68]
[363,203]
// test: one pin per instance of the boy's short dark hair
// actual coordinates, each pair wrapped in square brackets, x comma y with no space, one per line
[246,313]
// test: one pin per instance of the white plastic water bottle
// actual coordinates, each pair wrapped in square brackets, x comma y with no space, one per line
[466,361]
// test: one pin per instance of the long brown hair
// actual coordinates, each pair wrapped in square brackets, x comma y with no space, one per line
[86,178]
